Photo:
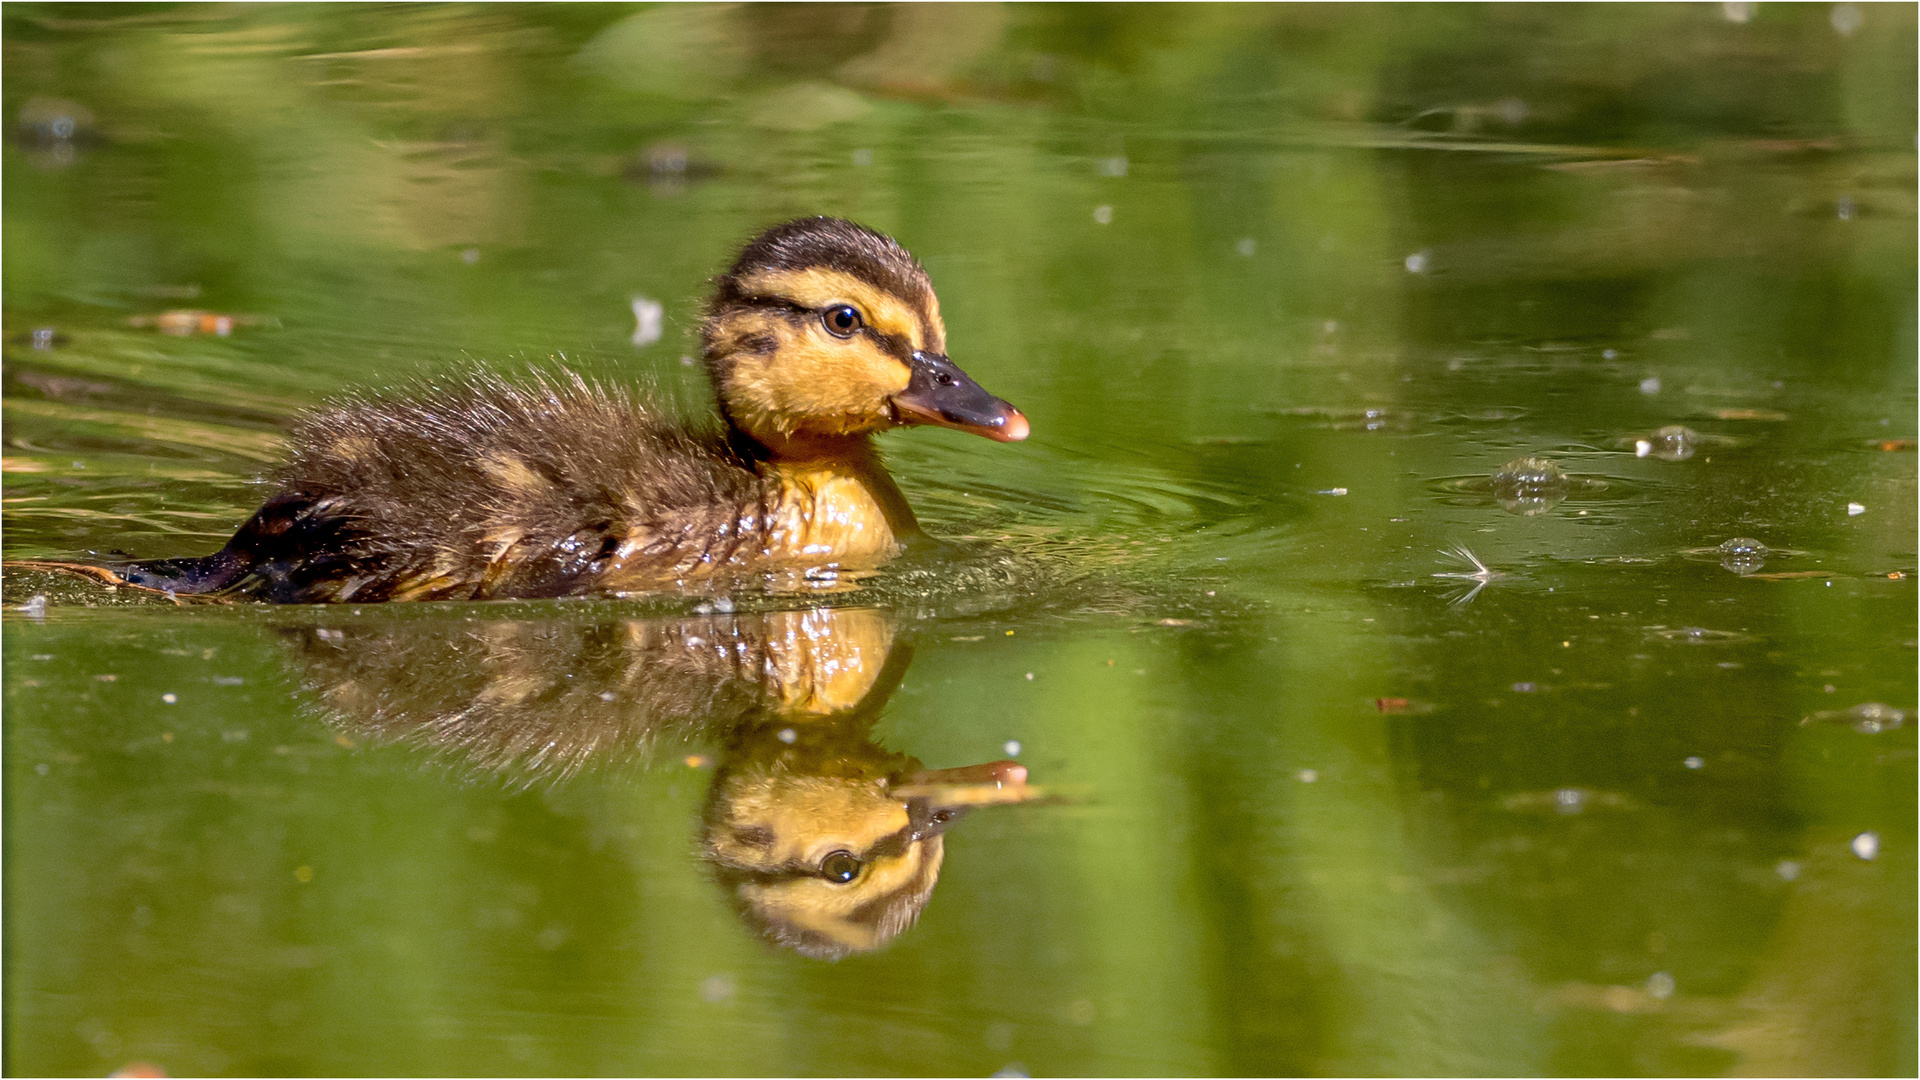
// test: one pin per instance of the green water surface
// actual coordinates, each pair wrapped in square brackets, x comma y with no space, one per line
[1280,288]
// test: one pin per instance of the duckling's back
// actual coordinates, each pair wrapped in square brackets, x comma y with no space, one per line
[484,489]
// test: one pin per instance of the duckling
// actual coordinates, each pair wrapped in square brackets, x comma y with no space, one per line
[822,334]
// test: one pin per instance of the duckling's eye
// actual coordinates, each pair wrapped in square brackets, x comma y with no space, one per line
[840,867]
[841,320]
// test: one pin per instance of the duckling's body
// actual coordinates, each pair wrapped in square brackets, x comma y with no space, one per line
[821,335]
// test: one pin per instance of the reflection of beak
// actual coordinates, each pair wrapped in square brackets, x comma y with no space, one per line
[936,798]
[940,393]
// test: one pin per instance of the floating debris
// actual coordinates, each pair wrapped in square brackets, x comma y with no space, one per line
[1365,418]
[1480,575]
[1868,717]
[647,318]
[1697,635]
[186,323]
[1566,801]
[1854,509]
[34,608]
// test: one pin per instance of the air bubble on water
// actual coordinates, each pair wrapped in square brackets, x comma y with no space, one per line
[1609,354]
[1854,509]
[1569,800]
[1873,717]
[1012,747]
[1660,986]
[1247,246]
[1650,384]
[1736,11]
[1787,869]
[1846,18]
[1417,262]
[169,698]
[1529,485]
[1694,763]
[1307,776]
[1866,845]
[787,735]
[1103,214]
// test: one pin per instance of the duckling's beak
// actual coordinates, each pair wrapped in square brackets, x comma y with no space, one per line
[941,394]
[936,798]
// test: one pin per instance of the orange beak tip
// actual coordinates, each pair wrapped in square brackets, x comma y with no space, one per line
[1014,429]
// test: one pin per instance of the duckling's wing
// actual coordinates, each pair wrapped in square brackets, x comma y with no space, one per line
[495,489]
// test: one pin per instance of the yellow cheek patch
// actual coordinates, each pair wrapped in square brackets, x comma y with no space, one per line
[814,383]
[819,287]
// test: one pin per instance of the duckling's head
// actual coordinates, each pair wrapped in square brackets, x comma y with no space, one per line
[832,845]
[825,331]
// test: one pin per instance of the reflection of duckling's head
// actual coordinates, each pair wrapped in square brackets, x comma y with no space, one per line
[830,845]
[824,330]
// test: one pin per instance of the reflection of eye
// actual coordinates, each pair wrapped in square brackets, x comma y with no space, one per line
[841,320]
[840,867]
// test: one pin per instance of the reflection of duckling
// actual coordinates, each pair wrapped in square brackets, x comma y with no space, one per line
[822,334]
[830,845]
[826,842]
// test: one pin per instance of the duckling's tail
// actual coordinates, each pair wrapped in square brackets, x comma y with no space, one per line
[289,551]
[209,574]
